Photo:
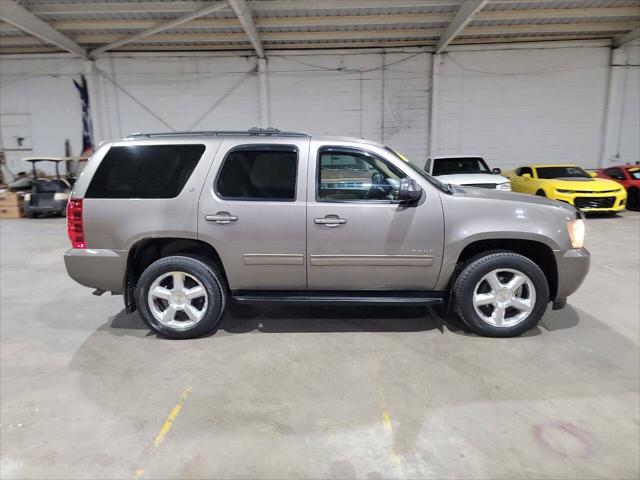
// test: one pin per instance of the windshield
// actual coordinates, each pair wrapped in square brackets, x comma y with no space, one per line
[562,172]
[451,166]
[634,172]
[434,181]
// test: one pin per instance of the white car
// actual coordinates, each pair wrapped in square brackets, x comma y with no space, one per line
[466,171]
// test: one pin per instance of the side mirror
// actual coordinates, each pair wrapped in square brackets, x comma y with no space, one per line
[593,174]
[496,171]
[410,191]
[526,175]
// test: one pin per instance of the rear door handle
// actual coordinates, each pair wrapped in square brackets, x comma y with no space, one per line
[330,221]
[222,218]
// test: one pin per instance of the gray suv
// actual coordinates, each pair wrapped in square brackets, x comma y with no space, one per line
[184,224]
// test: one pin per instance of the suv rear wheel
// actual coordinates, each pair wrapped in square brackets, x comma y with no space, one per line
[501,294]
[180,297]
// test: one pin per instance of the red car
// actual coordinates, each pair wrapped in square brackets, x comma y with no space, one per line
[629,177]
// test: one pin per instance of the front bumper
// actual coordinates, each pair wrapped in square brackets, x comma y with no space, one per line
[573,266]
[97,268]
[594,202]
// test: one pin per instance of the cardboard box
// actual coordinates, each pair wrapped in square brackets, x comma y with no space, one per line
[10,212]
[10,199]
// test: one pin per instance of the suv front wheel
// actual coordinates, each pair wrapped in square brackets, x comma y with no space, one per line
[501,294]
[180,297]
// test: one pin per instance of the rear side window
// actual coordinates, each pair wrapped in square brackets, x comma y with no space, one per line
[257,173]
[144,171]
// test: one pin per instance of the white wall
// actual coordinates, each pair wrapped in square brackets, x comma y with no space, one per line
[521,106]
[623,145]
[513,106]
[39,102]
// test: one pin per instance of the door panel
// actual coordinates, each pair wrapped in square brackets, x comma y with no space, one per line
[360,243]
[261,242]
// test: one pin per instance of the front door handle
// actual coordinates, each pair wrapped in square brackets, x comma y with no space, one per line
[222,218]
[330,221]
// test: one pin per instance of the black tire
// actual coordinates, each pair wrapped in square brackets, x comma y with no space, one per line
[204,273]
[472,274]
[541,193]
[633,199]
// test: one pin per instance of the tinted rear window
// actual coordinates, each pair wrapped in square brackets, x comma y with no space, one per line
[259,174]
[144,171]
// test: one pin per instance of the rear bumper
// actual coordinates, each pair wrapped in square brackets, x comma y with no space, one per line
[573,266]
[97,268]
[46,206]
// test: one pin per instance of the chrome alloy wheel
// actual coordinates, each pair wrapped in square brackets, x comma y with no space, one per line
[504,297]
[177,300]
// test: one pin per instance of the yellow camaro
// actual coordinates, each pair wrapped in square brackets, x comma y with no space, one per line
[570,184]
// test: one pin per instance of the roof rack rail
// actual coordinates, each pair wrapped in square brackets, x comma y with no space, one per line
[267,132]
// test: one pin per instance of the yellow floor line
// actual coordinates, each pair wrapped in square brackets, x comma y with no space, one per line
[172,416]
[395,458]
[166,426]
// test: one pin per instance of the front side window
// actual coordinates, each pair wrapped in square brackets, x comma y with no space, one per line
[256,173]
[522,170]
[615,173]
[144,171]
[562,172]
[345,175]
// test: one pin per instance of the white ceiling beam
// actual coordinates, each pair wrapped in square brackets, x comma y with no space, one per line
[189,6]
[22,18]
[406,33]
[179,6]
[116,7]
[270,5]
[243,13]
[343,20]
[626,38]
[159,28]
[520,42]
[466,12]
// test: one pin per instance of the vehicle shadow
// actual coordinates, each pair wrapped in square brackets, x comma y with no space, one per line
[300,319]
[601,215]
[326,318]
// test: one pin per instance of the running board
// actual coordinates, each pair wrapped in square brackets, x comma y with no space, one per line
[307,297]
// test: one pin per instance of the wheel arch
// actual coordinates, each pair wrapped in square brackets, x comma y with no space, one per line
[147,250]
[537,251]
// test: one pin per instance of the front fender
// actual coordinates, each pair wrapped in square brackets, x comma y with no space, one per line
[468,220]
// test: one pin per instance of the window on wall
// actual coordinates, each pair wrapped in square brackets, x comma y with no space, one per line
[144,171]
[345,175]
[257,173]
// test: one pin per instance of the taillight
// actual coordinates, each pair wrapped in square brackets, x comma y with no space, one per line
[75,229]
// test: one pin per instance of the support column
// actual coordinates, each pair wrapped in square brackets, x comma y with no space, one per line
[94,96]
[263,93]
[611,124]
[433,119]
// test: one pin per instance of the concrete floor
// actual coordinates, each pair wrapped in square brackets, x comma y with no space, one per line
[316,392]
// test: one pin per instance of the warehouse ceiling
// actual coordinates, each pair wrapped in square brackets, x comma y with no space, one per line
[90,28]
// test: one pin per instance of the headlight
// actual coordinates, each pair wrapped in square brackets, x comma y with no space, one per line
[576,229]
[27,197]
[504,186]
[564,191]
